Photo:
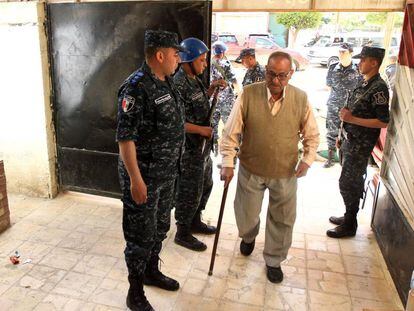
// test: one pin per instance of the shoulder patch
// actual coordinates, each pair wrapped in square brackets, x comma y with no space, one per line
[128,103]
[380,98]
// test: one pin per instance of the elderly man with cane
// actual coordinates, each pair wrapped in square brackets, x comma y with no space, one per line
[273,116]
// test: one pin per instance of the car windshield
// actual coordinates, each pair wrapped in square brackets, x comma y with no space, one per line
[228,39]
[329,41]
[266,43]
[323,41]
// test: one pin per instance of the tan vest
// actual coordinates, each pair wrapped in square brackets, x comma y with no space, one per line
[270,143]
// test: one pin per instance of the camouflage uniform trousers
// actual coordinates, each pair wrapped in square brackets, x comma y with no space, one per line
[146,225]
[355,155]
[222,111]
[194,187]
[333,123]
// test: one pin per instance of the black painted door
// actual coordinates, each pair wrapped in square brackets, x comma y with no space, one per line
[93,48]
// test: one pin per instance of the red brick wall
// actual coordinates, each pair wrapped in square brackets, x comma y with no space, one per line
[4,205]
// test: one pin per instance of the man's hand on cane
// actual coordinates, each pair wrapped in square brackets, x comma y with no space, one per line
[226,174]
[302,169]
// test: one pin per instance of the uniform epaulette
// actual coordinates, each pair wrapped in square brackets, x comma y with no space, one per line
[136,77]
[332,66]
[132,80]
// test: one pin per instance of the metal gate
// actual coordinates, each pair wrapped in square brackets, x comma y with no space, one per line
[93,48]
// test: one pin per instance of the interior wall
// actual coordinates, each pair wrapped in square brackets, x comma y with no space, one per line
[26,129]
[247,23]
[398,169]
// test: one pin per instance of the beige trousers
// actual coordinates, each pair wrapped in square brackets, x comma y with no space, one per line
[281,213]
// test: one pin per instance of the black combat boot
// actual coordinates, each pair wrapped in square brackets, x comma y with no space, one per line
[184,238]
[347,229]
[154,277]
[330,161]
[136,300]
[337,220]
[200,227]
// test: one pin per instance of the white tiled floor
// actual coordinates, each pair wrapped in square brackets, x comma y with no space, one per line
[76,246]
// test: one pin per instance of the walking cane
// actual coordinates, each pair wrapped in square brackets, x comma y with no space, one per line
[220,219]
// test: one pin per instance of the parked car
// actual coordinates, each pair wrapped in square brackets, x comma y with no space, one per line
[260,35]
[325,51]
[314,41]
[264,46]
[229,39]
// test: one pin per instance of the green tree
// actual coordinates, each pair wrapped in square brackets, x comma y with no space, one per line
[352,21]
[295,21]
[376,18]
[399,19]
[380,19]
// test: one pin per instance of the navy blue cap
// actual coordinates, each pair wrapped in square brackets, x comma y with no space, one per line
[346,46]
[161,39]
[371,51]
[245,52]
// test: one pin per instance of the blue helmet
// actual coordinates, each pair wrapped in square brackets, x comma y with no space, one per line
[219,47]
[193,48]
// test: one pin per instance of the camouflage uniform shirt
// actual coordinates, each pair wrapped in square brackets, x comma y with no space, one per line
[342,80]
[253,75]
[197,108]
[151,114]
[222,69]
[369,101]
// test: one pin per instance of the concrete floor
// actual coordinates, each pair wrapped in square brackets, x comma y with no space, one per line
[76,246]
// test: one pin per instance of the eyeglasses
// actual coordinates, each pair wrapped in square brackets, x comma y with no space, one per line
[280,76]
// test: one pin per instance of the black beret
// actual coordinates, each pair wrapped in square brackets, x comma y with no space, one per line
[346,46]
[162,39]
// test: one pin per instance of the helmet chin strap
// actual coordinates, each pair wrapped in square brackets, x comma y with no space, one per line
[192,68]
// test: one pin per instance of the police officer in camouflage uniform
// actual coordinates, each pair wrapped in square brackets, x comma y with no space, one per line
[342,78]
[221,68]
[195,181]
[255,72]
[391,71]
[150,134]
[365,114]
